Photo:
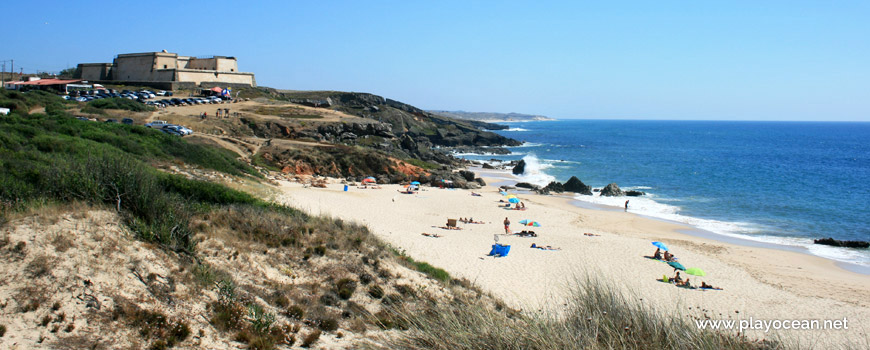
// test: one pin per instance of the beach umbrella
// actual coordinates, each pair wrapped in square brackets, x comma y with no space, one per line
[512,196]
[530,223]
[514,200]
[369,179]
[696,272]
[677,265]
[503,193]
[660,245]
[415,182]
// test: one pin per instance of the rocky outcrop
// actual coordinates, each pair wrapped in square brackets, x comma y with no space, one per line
[575,185]
[838,243]
[634,193]
[487,166]
[527,185]
[520,168]
[555,187]
[467,175]
[611,190]
[478,150]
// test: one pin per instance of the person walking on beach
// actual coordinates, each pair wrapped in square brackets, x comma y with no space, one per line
[507,226]
[626,205]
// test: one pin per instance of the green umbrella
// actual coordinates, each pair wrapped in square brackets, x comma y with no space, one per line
[677,265]
[696,272]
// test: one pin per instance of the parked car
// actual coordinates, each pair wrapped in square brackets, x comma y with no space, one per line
[169,93]
[179,129]
[127,121]
[82,118]
[172,132]
[111,120]
[160,93]
[157,124]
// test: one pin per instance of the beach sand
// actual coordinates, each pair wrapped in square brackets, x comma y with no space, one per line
[758,283]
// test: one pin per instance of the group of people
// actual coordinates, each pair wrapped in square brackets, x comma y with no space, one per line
[469,221]
[677,279]
[667,256]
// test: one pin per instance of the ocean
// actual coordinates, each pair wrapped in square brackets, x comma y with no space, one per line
[785,183]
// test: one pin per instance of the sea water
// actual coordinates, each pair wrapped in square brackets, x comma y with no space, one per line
[777,182]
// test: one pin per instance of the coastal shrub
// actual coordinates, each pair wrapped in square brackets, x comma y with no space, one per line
[116,103]
[345,288]
[296,312]
[327,324]
[311,338]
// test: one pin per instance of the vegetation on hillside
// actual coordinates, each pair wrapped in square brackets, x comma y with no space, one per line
[99,106]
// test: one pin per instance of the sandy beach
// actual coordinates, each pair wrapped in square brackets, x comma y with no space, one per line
[758,283]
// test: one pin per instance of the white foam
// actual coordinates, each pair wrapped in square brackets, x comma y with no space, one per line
[743,230]
[517,129]
[529,144]
[534,171]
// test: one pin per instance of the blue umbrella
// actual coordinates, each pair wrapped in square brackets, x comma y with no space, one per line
[415,182]
[677,265]
[660,245]
[514,200]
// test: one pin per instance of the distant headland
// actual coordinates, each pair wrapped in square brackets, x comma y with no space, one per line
[491,117]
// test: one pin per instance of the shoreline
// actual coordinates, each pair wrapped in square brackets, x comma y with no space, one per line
[758,282]
[506,178]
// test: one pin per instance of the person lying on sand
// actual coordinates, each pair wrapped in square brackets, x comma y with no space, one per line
[449,227]
[685,284]
[658,254]
[431,235]
[544,247]
[475,194]
[704,285]
[525,233]
[590,234]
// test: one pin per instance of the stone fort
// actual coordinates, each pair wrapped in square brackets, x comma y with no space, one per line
[166,70]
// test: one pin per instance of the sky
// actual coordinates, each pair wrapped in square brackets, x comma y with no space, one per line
[695,60]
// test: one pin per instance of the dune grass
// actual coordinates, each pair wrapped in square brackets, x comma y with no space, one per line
[596,316]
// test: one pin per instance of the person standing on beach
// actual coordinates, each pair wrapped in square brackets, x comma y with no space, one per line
[626,205]
[507,226]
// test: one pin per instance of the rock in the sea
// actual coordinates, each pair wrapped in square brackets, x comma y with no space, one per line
[520,168]
[575,185]
[526,185]
[487,166]
[611,190]
[634,193]
[480,182]
[838,243]
[555,187]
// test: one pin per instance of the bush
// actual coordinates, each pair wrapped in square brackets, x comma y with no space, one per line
[327,324]
[116,103]
[2,330]
[296,312]
[311,338]
[345,288]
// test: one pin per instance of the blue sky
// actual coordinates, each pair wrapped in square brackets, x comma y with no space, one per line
[735,60]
